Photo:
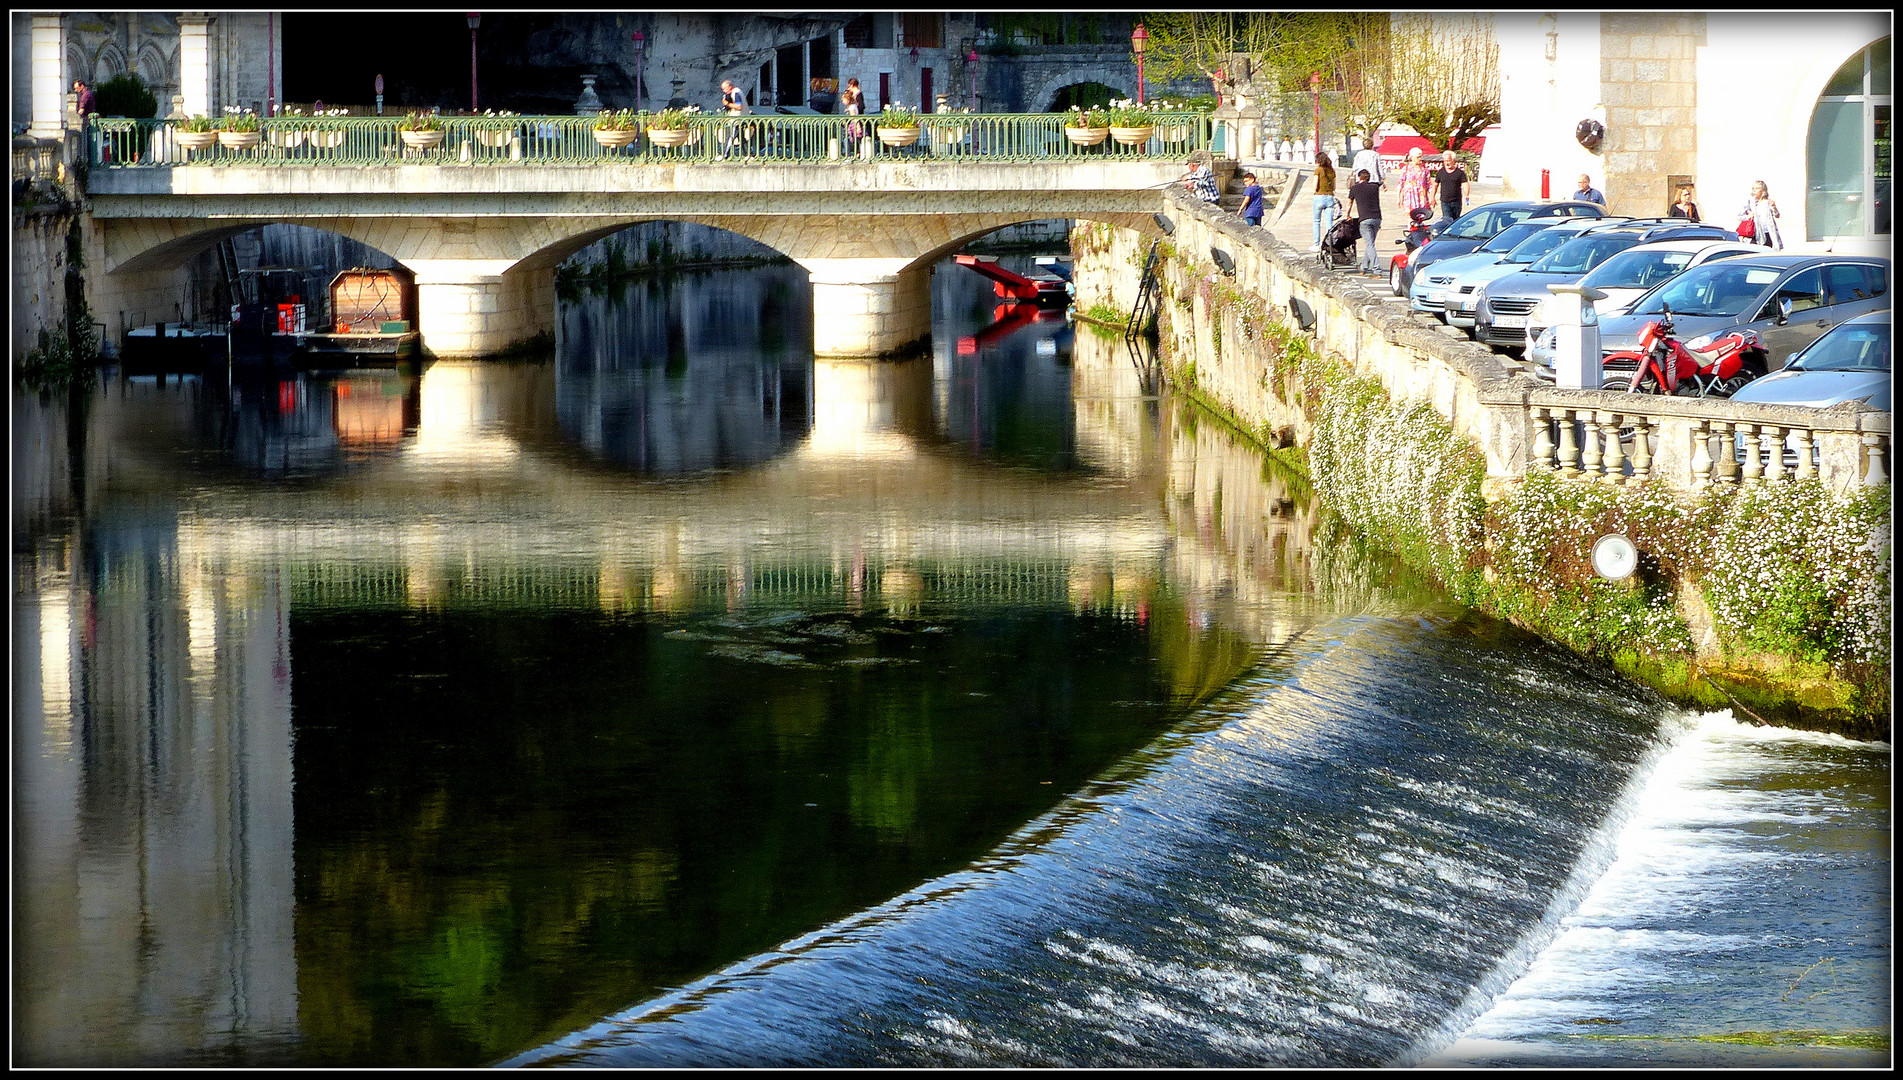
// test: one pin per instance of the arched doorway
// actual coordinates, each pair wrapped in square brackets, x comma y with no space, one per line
[1088,95]
[1847,156]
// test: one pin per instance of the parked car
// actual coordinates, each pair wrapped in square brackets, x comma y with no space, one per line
[1719,297]
[1464,284]
[1482,223]
[1429,290]
[1503,308]
[1626,276]
[1850,362]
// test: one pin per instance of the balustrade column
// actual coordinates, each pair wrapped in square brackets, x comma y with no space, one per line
[1701,453]
[1542,438]
[1806,468]
[1642,449]
[1771,437]
[1614,453]
[1873,446]
[1747,435]
[1589,456]
[194,63]
[1568,447]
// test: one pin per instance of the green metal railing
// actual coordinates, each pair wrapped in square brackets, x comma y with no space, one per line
[571,140]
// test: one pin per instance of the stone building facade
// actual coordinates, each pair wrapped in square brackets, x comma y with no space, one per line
[1799,100]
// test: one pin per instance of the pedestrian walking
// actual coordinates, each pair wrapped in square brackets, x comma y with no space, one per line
[1325,201]
[1368,160]
[1365,196]
[1452,181]
[1251,209]
[733,102]
[1684,207]
[1587,193]
[1758,221]
[855,100]
[1414,183]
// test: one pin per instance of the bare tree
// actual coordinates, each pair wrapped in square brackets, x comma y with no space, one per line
[1443,76]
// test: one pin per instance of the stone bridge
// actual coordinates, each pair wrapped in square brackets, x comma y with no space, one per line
[484,242]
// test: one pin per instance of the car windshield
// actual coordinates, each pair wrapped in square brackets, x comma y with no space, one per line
[1714,289]
[1509,238]
[1533,247]
[1639,268]
[1863,347]
[1483,223]
[1582,254]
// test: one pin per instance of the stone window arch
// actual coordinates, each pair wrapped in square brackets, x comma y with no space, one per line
[111,63]
[154,69]
[1847,153]
[78,68]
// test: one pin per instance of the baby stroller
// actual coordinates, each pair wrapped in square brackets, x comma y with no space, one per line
[1338,245]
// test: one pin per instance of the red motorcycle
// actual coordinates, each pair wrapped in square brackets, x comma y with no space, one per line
[1664,365]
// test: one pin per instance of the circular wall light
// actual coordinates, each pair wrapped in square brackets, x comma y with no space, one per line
[1614,558]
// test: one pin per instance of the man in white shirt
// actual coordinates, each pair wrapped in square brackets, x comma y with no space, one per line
[1367,159]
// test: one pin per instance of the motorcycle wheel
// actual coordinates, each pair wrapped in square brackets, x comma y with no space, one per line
[1648,384]
[1728,387]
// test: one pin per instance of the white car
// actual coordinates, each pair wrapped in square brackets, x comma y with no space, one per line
[1463,287]
[1626,276]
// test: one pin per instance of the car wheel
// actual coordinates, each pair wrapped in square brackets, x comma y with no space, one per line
[1394,281]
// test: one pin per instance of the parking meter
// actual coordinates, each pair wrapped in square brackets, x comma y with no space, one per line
[1577,364]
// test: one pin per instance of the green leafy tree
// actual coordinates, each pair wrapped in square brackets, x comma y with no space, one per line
[1443,76]
[126,95]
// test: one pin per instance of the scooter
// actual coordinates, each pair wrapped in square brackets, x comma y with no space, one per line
[1664,365]
[1416,237]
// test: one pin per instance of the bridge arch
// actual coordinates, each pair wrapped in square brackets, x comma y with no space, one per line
[1051,88]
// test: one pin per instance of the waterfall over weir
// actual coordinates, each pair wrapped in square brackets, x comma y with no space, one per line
[1318,870]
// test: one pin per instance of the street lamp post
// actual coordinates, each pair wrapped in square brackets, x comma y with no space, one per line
[475,20]
[1315,85]
[971,69]
[1139,41]
[640,43]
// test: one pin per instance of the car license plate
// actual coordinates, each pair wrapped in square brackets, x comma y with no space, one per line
[1509,322]
[1435,296]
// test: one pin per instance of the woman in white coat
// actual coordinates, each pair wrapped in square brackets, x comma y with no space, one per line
[1761,211]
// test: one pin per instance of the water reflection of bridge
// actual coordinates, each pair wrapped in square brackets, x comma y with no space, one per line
[153,736]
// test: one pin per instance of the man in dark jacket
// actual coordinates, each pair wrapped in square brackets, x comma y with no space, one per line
[87,104]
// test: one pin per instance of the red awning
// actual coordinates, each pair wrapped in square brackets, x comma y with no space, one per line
[1399,145]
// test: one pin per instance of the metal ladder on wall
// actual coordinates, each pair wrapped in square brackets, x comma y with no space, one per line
[228,268]
[1149,298]
[1148,295]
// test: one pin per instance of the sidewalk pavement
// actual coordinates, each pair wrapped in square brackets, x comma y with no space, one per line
[1296,228]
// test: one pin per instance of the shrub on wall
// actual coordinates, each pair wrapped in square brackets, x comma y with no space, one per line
[126,95]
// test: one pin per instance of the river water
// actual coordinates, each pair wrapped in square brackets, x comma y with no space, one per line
[681,700]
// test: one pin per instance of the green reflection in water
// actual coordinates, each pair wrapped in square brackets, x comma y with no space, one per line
[510,823]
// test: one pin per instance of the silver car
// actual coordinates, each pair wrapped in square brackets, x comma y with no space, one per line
[1624,278]
[1430,289]
[1467,285]
[1851,362]
[1710,301]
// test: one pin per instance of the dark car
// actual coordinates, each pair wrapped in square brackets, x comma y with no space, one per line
[1505,307]
[1744,294]
[1477,226]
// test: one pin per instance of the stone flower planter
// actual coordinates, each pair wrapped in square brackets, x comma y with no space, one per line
[287,139]
[1080,136]
[496,138]
[670,137]
[422,140]
[898,136]
[328,140]
[614,138]
[196,140]
[238,140]
[1132,136]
